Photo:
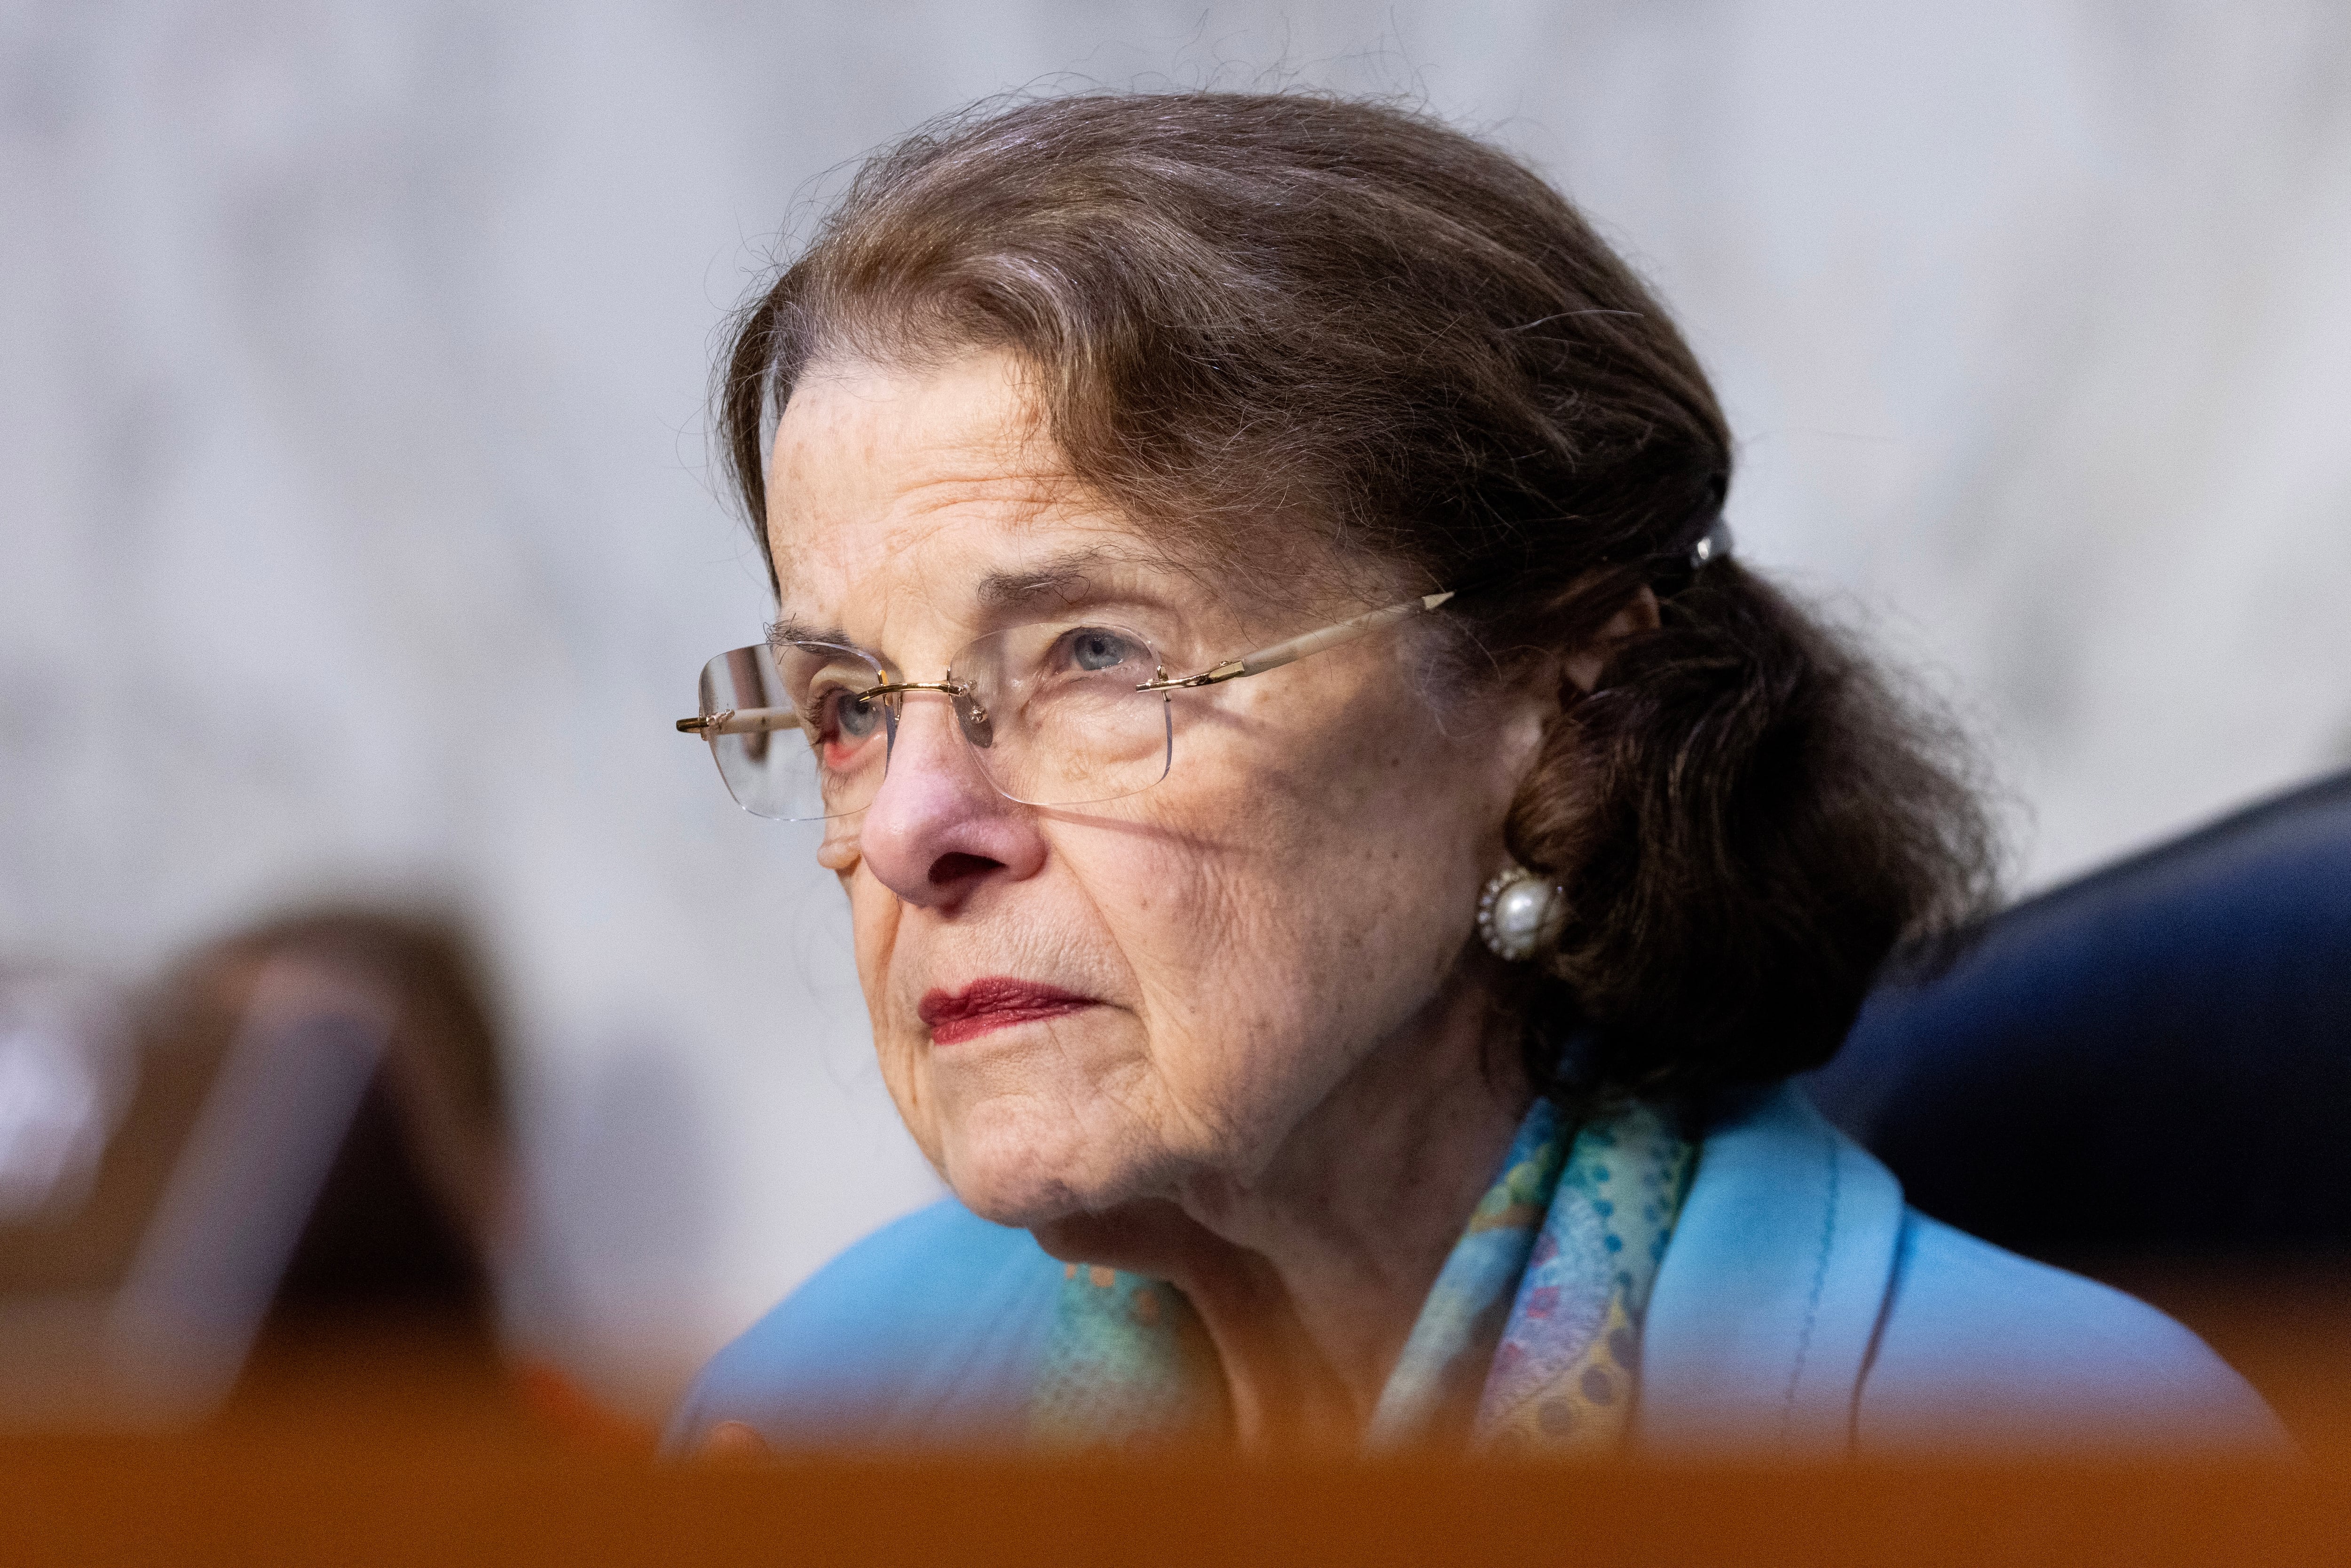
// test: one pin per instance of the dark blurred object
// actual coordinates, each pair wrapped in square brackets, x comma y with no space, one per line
[2157,1056]
[309,1136]
[2145,1075]
[402,1232]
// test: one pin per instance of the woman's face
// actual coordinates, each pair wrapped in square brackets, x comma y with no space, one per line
[1131,994]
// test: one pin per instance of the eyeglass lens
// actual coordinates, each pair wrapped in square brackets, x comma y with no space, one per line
[1049,713]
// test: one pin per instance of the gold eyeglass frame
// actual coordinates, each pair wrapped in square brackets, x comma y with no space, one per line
[750,721]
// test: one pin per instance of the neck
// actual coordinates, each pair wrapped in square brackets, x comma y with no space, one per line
[1309,1274]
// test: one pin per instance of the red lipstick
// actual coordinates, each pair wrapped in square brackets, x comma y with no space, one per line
[996,1002]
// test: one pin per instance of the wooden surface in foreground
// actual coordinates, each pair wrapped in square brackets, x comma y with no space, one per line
[384,1454]
[362,1502]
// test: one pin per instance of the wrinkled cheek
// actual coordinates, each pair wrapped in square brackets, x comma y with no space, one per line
[1252,1085]
[905,1071]
[900,1045]
[1197,951]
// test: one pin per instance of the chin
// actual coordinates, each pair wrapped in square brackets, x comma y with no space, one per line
[1016,1165]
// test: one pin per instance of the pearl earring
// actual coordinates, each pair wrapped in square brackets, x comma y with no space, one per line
[1517,911]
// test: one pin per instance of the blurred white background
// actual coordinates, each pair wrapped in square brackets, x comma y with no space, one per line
[358,538]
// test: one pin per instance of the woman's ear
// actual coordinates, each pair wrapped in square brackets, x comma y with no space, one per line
[1639,614]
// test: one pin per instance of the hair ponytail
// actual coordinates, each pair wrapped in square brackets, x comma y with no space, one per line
[1747,822]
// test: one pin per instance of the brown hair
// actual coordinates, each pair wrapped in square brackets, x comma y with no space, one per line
[1258,318]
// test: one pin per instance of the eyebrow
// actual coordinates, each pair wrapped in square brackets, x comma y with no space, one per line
[789,631]
[1062,581]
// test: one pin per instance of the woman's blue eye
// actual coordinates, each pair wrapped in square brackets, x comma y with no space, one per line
[1095,650]
[856,718]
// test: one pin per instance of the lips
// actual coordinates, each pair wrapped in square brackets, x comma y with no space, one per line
[996,1002]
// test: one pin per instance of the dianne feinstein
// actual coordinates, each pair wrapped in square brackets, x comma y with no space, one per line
[1343,856]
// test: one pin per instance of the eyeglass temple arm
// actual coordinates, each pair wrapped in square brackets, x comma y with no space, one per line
[740,721]
[1298,647]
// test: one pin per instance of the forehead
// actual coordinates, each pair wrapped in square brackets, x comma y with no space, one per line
[899,492]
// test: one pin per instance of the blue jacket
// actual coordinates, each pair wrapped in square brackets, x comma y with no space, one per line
[1802,1309]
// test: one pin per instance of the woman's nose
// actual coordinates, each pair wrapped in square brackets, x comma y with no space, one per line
[937,831]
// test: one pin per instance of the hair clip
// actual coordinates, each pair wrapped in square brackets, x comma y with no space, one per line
[1712,544]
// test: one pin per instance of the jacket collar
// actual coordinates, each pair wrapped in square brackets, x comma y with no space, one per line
[1767,1303]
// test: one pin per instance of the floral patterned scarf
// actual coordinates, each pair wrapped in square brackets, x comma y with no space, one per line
[1532,1328]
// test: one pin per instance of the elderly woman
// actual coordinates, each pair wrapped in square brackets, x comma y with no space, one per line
[1342,857]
